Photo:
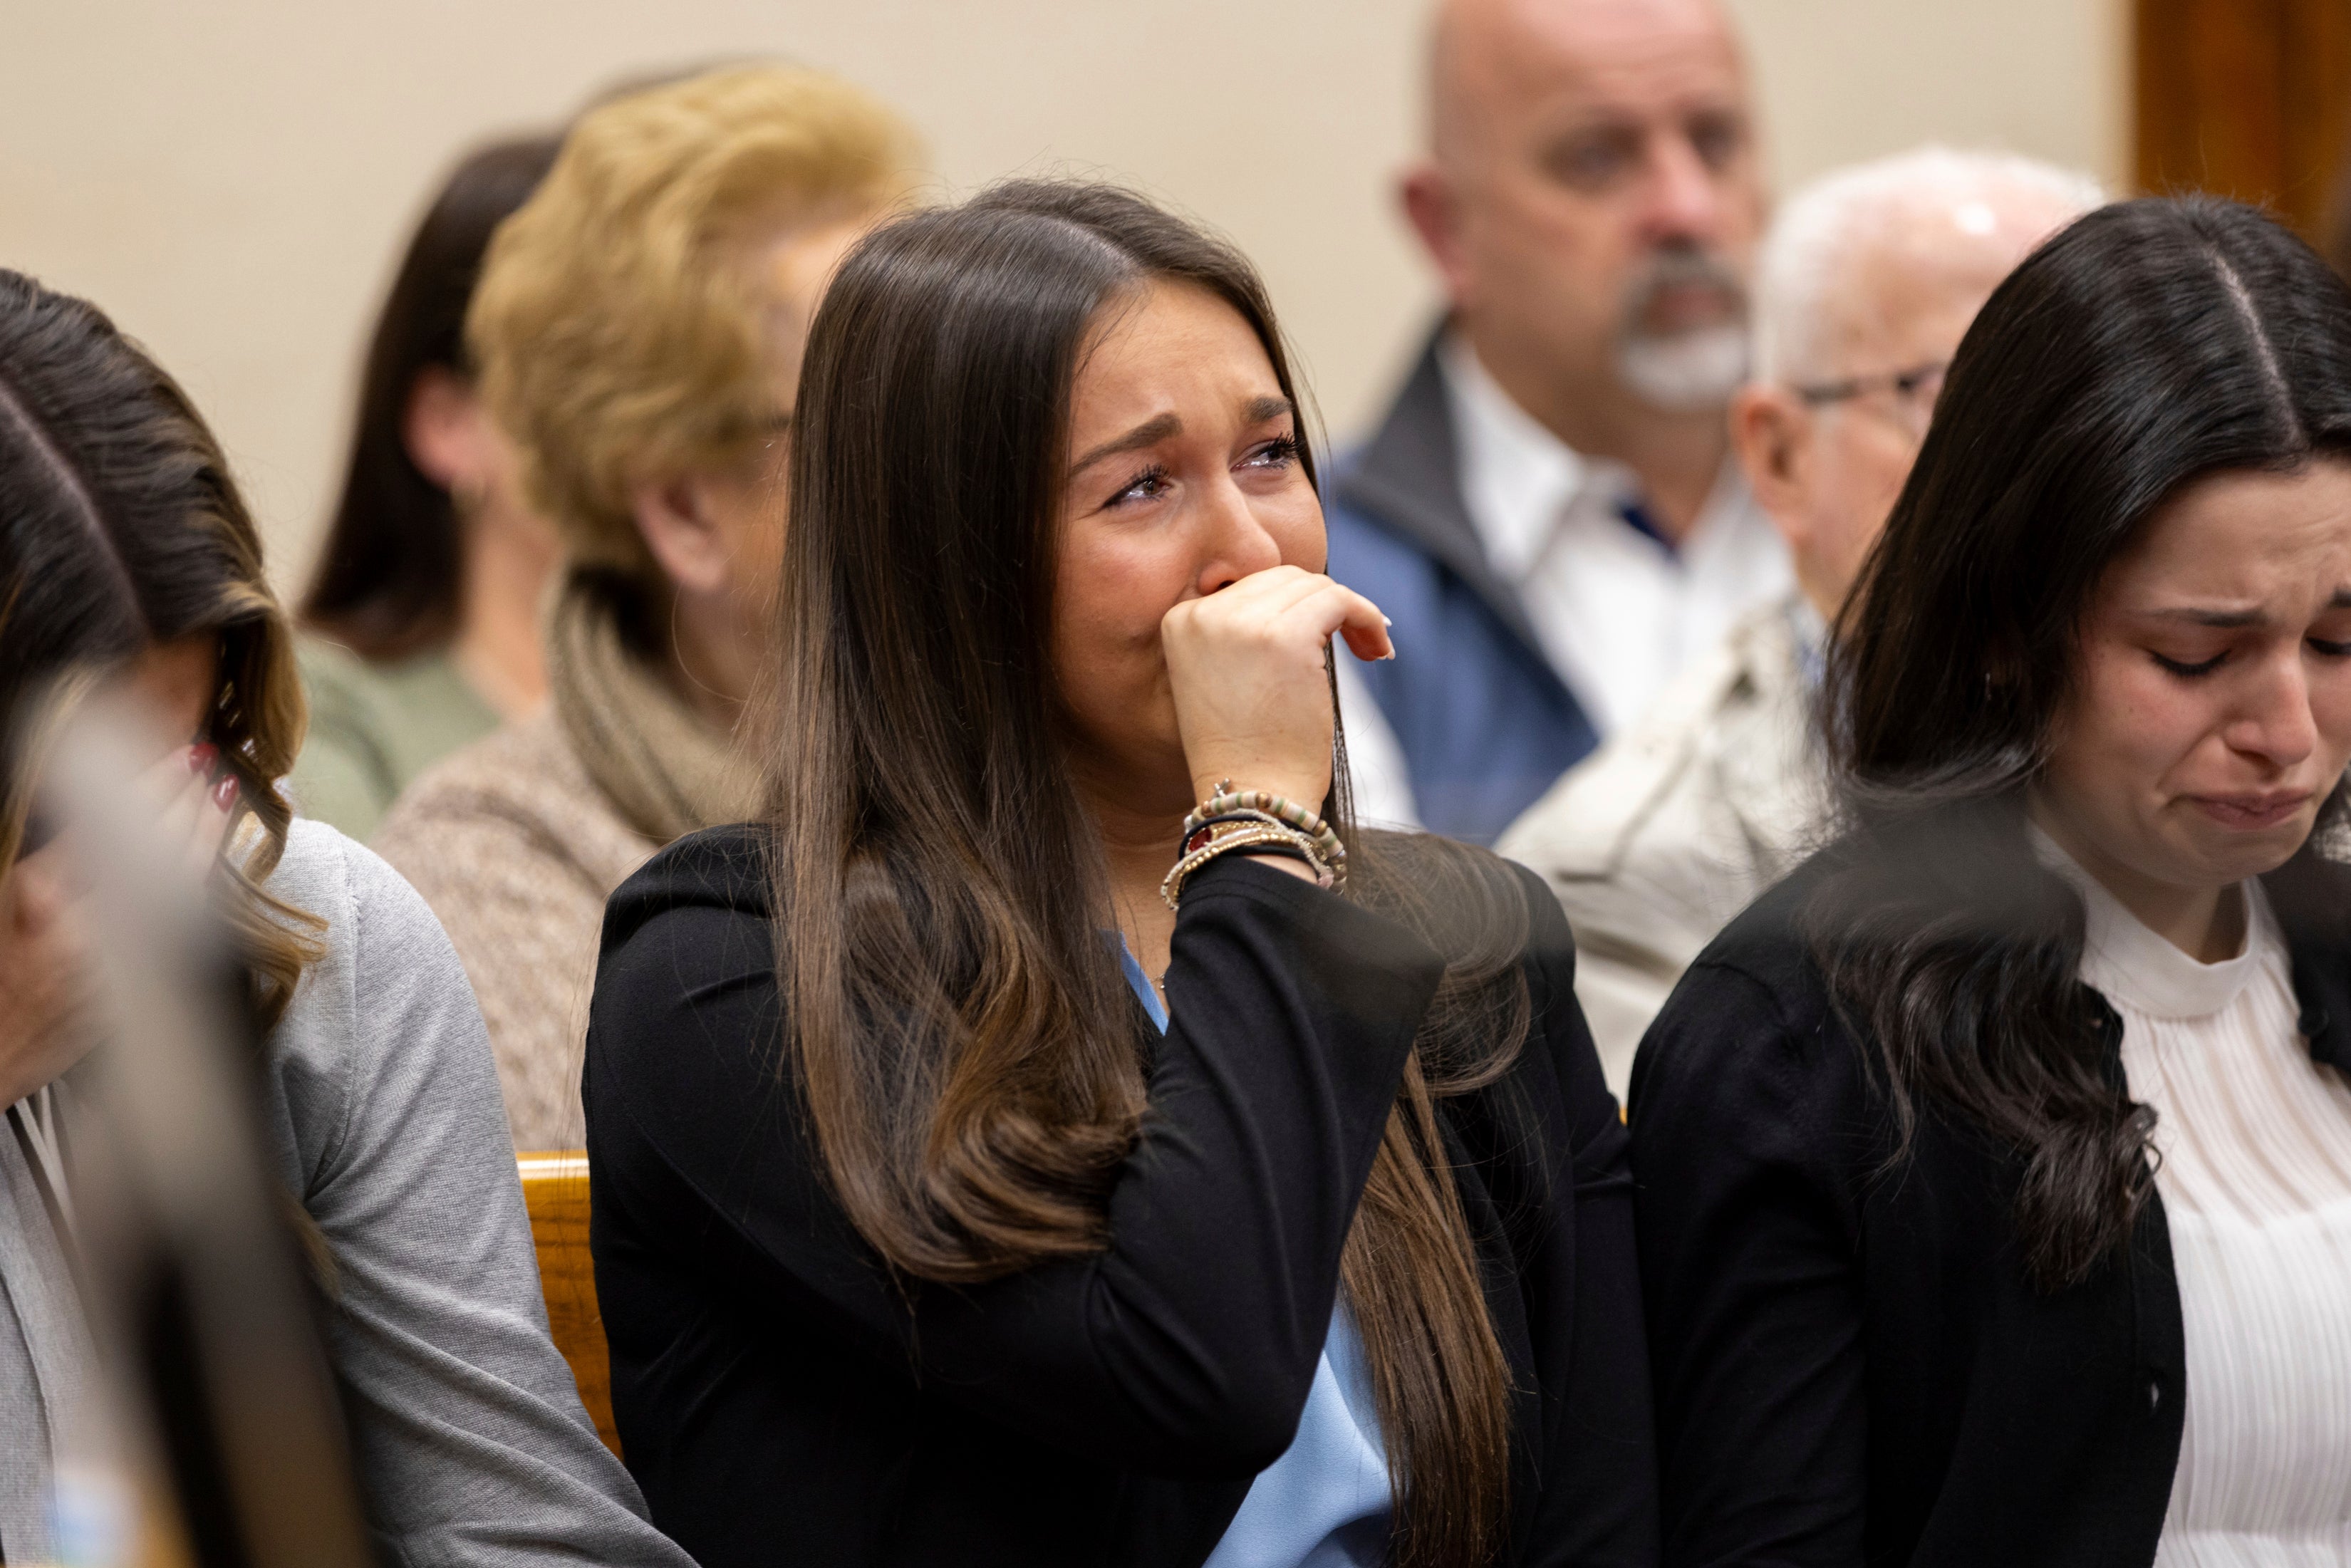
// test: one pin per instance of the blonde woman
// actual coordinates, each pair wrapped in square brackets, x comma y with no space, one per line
[638,325]
[128,559]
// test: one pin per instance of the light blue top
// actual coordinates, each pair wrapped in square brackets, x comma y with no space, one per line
[1325,1502]
[1811,641]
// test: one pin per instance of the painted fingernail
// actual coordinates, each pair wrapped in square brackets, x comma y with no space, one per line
[1386,622]
[224,792]
[201,757]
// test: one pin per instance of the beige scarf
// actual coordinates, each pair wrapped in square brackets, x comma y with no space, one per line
[666,768]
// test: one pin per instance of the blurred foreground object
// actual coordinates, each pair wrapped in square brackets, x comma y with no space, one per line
[222,1408]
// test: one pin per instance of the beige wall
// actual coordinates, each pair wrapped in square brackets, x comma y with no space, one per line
[232,179]
[1845,80]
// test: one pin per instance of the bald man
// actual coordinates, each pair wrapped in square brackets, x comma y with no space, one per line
[1867,284]
[1548,512]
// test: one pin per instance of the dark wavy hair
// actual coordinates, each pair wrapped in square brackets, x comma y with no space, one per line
[388,577]
[965,1046]
[122,529]
[2148,344]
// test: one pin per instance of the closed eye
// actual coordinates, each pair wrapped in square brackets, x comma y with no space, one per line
[2190,671]
[2326,650]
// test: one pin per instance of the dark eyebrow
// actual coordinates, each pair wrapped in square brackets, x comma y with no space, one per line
[2220,620]
[1261,408]
[1150,432]
[2233,620]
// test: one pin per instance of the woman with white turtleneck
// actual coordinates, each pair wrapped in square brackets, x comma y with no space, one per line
[2253,1145]
[1994,1169]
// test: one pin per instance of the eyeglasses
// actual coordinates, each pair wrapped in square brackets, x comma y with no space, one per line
[1914,391]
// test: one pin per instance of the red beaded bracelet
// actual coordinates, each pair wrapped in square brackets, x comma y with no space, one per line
[1228,802]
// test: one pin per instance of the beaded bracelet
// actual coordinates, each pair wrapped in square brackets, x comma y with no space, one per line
[1227,800]
[1204,829]
[1252,824]
[1256,838]
[1199,830]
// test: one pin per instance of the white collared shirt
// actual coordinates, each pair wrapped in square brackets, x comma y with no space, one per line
[1618,613]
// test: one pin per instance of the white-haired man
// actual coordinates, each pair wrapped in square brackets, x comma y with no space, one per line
[1867,283]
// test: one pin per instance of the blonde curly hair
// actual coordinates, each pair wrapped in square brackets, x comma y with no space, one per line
[621,324]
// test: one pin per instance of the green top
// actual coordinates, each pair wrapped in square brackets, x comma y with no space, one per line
[375,727]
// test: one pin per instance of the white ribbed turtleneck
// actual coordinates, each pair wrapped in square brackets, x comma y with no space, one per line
[2255,1174]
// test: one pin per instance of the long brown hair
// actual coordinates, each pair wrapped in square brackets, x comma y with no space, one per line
[120,529]
[2150,343]
[392,566]
[967,1050]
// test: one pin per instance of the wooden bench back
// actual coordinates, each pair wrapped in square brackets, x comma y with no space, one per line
[554,1187]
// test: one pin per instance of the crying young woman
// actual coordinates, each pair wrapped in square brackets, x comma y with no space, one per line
[1056,1134]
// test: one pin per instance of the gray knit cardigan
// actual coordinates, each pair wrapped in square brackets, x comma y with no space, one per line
[382,1114]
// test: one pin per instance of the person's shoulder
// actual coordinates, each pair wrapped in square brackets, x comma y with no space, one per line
[1771,943]
[728,865]
[335,679]
[1754,1006]
[687,952]
[1374,487]
[1464,901]
[1659,791]
[518,795]
[380,954]
[326,873]
[1552,1096]
[516,764]
[346,770]
[1369,548]
[383,1007]
[1586,824]
[323,870]
[1549,934]
[724,869]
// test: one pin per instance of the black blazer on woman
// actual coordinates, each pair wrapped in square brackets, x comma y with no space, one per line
[783,1398]
[1851,1366]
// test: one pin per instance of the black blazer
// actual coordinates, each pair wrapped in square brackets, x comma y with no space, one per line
[1851,1364]
[782,1398]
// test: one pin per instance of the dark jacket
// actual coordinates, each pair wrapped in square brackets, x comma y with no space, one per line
[782,1398]
[1851,1364]
[1485,723]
